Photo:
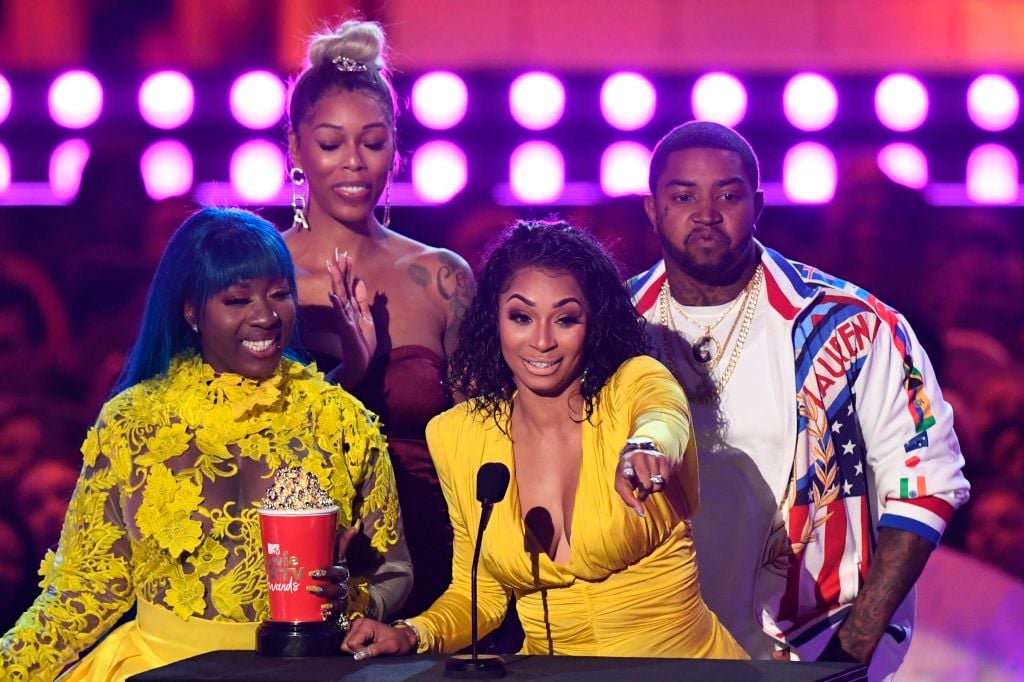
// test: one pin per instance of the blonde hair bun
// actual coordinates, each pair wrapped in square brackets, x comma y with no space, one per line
[362,41]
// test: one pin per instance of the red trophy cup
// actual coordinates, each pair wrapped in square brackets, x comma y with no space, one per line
[295,542]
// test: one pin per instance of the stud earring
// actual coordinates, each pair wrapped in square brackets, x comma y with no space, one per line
[298,178]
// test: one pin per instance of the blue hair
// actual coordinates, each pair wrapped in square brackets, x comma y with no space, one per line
[212,250]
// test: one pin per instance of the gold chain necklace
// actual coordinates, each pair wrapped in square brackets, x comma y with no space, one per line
[706,349]
[708,390]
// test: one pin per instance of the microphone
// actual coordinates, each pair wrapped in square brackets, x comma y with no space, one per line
[491,484]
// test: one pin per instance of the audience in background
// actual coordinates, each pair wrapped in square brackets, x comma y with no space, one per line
[17,570]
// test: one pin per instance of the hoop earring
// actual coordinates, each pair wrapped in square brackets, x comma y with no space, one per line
[298,178]
[387,202]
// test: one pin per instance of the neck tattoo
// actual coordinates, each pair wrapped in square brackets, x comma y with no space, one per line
[706,351]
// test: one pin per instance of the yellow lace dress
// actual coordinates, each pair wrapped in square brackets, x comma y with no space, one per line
[164,515]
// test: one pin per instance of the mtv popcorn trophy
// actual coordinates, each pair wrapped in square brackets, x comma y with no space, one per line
[297,523]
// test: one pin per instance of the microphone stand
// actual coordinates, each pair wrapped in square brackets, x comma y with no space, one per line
[475,666]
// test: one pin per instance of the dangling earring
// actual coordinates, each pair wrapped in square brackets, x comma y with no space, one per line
[195,328]
[298,178]
[387,202]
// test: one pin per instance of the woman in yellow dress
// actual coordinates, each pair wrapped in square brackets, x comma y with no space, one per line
[209,406]
[551,354]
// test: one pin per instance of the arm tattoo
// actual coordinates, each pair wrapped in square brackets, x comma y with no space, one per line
[455,285]
[896,565]
[419,274]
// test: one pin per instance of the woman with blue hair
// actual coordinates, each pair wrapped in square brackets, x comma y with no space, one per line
[210,404]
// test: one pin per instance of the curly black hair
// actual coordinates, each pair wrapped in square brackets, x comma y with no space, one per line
[615,332]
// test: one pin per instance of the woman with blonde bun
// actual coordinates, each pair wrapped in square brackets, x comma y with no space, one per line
[385,334]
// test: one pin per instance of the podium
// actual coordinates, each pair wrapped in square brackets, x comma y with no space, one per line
[246,665]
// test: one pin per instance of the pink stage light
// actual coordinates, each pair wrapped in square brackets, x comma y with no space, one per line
[624,169]
[993,103]
[537,100]
[5,99]
[166,168]
[166,99]
[537,172]
[904,163]
[257,99]
[66,164]
[439,100]
[5,169]
[627,101]
[992,175]
[439,171]
[809,174]
[719,97]
[75,99]
[901,102]
[257,170]
[810,101]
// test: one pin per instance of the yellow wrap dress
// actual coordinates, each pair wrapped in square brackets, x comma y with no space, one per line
[630,587]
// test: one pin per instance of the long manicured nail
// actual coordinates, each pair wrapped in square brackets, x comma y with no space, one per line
[639,511]
[361,654]
[315,589]
[317,573]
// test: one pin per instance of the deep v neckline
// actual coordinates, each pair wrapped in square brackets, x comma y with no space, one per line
[517,503]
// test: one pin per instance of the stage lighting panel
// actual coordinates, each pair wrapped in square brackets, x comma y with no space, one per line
[537,172]
[257,171]
[75,99]
[905,164]
[166,99]
[167,169]
[5,169]
[624,169]
[537,100]
[6,101]
[810,101]
[439,100]
[719,97]
[993,102]
[992,175]
[66,164]
[257,99]
[439,171]
[628,100]
[809,174]
[901,102]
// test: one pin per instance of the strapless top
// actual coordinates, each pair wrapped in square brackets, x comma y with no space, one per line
[406,389]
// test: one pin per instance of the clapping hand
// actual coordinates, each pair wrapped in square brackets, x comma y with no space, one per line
[355,324]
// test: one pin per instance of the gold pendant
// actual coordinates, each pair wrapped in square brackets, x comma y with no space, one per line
[704,349]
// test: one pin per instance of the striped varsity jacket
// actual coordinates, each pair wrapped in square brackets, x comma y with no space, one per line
[873,447]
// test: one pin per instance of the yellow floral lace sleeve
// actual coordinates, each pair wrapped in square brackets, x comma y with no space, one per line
[165,509]
[86,584]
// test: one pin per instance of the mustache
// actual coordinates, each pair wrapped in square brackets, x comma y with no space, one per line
[703,231]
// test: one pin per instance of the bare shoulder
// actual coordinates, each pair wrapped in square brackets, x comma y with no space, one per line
[442,273]
[446,280]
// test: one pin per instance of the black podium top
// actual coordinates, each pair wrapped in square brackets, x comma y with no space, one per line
[246,665]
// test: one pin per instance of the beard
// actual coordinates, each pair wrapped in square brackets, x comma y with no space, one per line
[707,255]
